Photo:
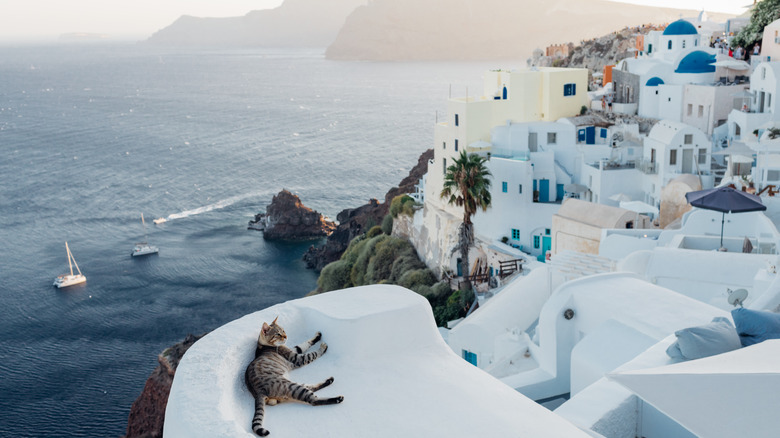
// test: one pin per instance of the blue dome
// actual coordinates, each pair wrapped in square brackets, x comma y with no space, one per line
[654,81]
[680,27]
[697,62]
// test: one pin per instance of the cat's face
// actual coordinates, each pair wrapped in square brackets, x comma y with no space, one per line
[272,335]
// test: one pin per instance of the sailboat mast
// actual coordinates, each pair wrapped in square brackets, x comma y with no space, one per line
[69,257]
[144,224]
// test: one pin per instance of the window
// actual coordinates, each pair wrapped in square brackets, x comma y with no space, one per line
[701,111]
[456,145]
[547,231]
[456,120]
[690,109]
[520,189]
[773,175]
[536,241]
[445,166]
[444,145]
[515,234]
[763,73]
[702,156]
[552,138]
[669,45]
[470,357]
[649,49]
[569,89]
[603,133]
[689,138]
[503,186]
[695,42]
[673,157]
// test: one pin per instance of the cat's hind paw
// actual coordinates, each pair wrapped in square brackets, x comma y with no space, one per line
[316,338]
[262,432]
[323,348]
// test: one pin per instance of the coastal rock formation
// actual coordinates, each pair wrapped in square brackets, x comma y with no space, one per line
[296,23]
[482,29]
[148,411]
[286,218]
[355,221]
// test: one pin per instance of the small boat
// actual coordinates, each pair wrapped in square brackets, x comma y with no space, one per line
[71,279]
[144,248]
[160,220]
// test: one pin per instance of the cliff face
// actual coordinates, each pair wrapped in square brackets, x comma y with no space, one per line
[148,411]
[296,23]
[355,221]
[481,29]
[286,218]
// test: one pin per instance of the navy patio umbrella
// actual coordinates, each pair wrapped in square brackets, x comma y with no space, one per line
[725,200]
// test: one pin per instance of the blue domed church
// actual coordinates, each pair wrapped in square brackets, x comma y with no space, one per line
[654,83]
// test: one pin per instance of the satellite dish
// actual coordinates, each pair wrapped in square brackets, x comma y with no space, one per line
[737,297]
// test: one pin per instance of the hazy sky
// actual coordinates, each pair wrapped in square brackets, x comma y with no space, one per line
[138,19]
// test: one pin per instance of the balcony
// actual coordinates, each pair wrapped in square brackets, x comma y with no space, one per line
[612,165]
[647,167]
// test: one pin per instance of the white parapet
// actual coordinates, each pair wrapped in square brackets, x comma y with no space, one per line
[397,375]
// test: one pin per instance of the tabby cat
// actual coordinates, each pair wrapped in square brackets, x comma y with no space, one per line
[267,379]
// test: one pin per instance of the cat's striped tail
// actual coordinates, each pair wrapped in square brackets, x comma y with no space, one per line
[257,421]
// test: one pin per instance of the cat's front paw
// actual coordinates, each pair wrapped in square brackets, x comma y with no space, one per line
[323,348]
[316,338]
[339,399]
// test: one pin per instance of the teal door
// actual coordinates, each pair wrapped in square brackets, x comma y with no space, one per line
[559,192]
[546,245]
[544,190]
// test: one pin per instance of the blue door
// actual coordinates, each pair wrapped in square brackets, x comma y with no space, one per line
[544,190]
[504,93]
[558,192]
[581,135]
[590,135]
[546,245]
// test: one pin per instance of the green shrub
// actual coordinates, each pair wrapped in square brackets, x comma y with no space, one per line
[402,204]
[381,264]
[374,231]
[424,277]
[387,224]
[407,260]
[335,276]
[359,269]
[583,110]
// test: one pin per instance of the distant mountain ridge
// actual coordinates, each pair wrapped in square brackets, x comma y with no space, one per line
[386,30]
[296,23]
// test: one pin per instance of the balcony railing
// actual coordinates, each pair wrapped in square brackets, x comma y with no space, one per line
[647,167]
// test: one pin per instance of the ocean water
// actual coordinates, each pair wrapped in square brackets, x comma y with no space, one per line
[91,137]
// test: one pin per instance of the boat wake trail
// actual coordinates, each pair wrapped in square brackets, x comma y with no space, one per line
[215,206]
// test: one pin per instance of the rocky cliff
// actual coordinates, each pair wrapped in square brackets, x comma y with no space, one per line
[286,218]
[355,221]
[296,23]
[482,29]
[148,411]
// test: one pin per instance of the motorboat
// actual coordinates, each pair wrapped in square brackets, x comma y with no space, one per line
[71,279]
[143,248]
[160,220]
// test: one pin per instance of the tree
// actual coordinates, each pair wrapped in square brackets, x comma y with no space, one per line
[467,185]
[763,13]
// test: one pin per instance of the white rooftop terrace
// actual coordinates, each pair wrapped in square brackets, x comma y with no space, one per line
[396,373]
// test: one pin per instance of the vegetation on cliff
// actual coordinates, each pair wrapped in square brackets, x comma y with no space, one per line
[375,257]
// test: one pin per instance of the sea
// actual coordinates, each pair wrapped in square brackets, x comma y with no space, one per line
[92,137]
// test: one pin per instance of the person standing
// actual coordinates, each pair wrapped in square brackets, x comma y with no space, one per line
[756,49]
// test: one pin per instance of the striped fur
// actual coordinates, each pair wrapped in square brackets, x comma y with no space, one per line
[267,376]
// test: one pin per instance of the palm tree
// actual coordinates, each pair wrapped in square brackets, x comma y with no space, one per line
[467,185]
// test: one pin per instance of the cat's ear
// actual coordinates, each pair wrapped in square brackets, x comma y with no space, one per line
[277,317]
[266,327]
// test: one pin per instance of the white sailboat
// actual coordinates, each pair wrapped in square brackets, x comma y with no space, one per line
[144,248]
[71,279]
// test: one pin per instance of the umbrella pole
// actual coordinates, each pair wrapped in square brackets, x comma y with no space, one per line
[722,221]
